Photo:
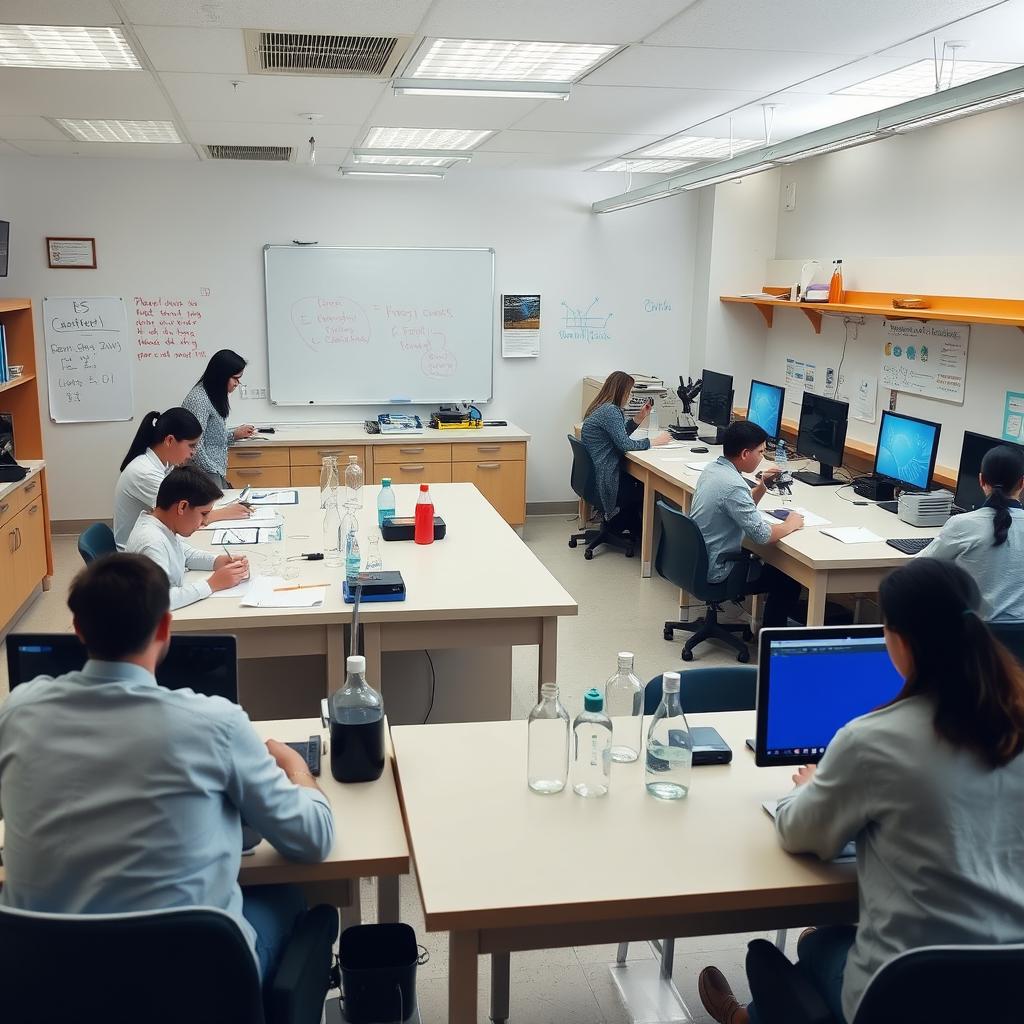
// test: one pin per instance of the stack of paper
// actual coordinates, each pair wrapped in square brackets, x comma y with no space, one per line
[810,518]
[853,535]
[265,516]
[697,467]
[264,593]
[287,496]
[247,534]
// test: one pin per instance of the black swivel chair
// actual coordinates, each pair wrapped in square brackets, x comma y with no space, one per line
[584,484]
[682,559]
[1011,634]
[162,967]
[937,984]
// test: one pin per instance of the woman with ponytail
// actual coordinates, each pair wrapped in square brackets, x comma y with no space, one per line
[989,542]
[930,787]
[163,441]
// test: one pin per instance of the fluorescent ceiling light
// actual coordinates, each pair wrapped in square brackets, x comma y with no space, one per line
[411,157]
[951,115]
[93,130]
[756,169]
[642,166]
[506,60]
[65,46]
[424,138]
[699,146]
[404,172]
[829,147]
[509,89]
[918,79]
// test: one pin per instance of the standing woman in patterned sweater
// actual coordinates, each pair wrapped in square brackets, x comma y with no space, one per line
[606,436]
[208,402]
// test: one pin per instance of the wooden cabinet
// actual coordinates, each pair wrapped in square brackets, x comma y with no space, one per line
[493,451]
[311,456]
[421,472]
[261,476]
[412,452]
[306,476]
[502,483]
[239,457]
[30,548]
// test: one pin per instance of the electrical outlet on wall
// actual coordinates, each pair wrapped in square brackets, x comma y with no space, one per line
[243,391]
[259,392]
[790,197]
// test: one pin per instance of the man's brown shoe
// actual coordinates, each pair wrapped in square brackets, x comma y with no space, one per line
[716,995]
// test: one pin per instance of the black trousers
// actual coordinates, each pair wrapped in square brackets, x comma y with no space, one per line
[782,592]
[630,500]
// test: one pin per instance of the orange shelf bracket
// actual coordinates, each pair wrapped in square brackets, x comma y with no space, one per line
[814,316]
[768,312]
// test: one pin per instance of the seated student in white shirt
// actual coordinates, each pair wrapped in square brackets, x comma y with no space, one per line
[163,441]
[183,505]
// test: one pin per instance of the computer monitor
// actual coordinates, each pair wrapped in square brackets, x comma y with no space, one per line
[715,407]
[906,450]
[811,682]
[7,454]
[5,239]
[822,436]
[764,407]
[969,494]
[206,664]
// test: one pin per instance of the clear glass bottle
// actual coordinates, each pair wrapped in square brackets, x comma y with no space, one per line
[547,740]
[353,557]
[624,705]
[357,727]
[374,559]
[332,533]
[592,747]
[669,745]
[385,501]
[354,483]
[328,479]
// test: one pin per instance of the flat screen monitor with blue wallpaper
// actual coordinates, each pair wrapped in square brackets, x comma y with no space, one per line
[906,450]
[765,407]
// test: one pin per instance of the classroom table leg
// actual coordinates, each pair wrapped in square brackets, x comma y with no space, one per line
[336,652]
[462,977]
[352,912]
[501,964]
[371,649]
[387,899]
[647,543]
[547,654]
[816,595]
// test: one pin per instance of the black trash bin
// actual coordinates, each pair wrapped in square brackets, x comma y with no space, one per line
[378,972]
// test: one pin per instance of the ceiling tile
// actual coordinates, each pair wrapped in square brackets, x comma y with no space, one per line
[61,93]
[996,34]
[14,128]
[579,144]
[450,111]
[58,12]
[212,51]
[6,149]
[250,133]
[110,150]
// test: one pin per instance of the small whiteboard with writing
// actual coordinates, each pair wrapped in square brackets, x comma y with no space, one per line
[88,360]
[927,359]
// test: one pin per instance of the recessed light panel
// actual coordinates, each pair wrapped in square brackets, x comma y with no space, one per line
[700,146]
[423,138]
[119,131]
[507,60]
[406,161]
[642,166]
[918,79]
[65,46]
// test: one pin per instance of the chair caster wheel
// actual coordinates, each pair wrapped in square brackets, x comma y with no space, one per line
[687,655]
[668,634]
[572,542]
[743,657]
[629,551]
[588,555]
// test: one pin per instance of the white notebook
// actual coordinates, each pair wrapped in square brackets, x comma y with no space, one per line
[853,535]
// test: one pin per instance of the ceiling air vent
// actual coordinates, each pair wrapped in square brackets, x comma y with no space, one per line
[249,152]
[298,53]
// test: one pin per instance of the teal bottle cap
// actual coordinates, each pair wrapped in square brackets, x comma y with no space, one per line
[592,700]
[385,481]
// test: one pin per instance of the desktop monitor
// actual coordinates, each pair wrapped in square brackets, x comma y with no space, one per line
[811,682]
[764,407]
[5,239]
[6,438]
[715,403]
[206,664]
[906,450]
[969,494]
[822,436]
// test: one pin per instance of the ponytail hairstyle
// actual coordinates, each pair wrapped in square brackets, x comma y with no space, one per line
[223,365]
[1002,469]
[976,684]
[177,423]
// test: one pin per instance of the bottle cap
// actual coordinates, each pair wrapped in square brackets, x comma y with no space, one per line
[353,458]
[424,487]
[355,663]
[385,481]
[549,690]
[625,659]
[593,701]
[670,682]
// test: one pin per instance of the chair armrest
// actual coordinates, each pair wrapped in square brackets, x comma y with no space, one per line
[296,993]
[781,992]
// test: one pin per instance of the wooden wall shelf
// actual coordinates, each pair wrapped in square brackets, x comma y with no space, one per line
[952,308]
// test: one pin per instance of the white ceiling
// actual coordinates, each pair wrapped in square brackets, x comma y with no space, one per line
[685,66]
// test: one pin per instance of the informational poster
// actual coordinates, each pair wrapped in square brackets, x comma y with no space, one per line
[1013,417]
[927,359]
[861,391]
[800,377]
[520,326]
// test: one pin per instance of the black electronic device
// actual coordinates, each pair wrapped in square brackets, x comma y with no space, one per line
[10,471]
[715,407]
[371,426]
[708,746]
[904,454]
[682,431]
[764,407]
[311,751]
[404,528]
[5,241]
[909,545]
[874,488]
[699,451]
[969,494]
[495,423]
[266,430]
[822,436]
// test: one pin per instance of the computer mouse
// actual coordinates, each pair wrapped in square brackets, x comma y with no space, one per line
[699,451]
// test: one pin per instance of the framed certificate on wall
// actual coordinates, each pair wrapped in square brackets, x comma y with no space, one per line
[71,253]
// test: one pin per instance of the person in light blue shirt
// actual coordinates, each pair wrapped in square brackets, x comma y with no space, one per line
[120,795]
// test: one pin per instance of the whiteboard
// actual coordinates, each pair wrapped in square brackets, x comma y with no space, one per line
[373,326]
[88,360]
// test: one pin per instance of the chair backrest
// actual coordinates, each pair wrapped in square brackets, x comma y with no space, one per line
[726,688]
[583,479]
[1011,635]
[96,541]
[681,556]
[162,967]
[946,985]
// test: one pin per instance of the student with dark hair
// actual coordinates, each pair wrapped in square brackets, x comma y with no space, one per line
[989,542]
[163,441]
[138,802]
[930,787]
[208,402]
[725,511]
[183,505]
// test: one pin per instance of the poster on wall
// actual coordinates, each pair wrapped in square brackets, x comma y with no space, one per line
[520,326]
[926,359]
[800,377]
[1013,417]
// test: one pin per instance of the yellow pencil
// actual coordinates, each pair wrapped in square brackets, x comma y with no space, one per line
[301,586]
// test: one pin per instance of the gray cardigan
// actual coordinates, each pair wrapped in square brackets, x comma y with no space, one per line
[605,435]
[211,453]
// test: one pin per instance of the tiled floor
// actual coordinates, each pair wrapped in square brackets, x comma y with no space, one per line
[618,611]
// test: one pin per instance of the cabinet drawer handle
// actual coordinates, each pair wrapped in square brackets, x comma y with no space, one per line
[249,454]
[29,488]
[323,453]
[249,472]
[488,447]
[412,469]
[4,507]
[411,451]
[488,465]
[11,538]
[17,530]
[34,509]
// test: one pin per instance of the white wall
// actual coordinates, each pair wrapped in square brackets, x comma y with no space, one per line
[170,229]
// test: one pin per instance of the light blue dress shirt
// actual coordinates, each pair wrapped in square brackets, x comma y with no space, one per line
[118,795]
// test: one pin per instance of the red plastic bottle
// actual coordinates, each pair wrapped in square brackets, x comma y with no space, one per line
[423,532]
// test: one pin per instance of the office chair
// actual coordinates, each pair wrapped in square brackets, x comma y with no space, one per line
[706,690]
[682,559]
[1011,635]
[584,485]
[162,967]
[96,541]
[938,984]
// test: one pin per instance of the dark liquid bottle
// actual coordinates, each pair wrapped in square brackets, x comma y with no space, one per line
[357,728]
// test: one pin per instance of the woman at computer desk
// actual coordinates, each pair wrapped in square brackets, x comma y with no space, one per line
[989,542]
[929,787]
[606,436]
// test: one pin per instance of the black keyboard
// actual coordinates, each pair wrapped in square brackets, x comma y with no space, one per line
[910,545]
[310,750]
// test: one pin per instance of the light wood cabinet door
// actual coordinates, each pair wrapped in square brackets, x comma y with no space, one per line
[30,553]
[8,598]
[413,472]
[242,455]
[305,476]
[411,451]
[261,476]
[503,484]
[310,455]
[489,451]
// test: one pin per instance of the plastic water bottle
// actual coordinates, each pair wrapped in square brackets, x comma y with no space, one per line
[374,560]
[354,483]
[328,479]
[592,747]
[781,458]
[547,739]
[669,745]
[423,530]
[385,501]
[624,705]
[353,559]
[332,532]
[357,727]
